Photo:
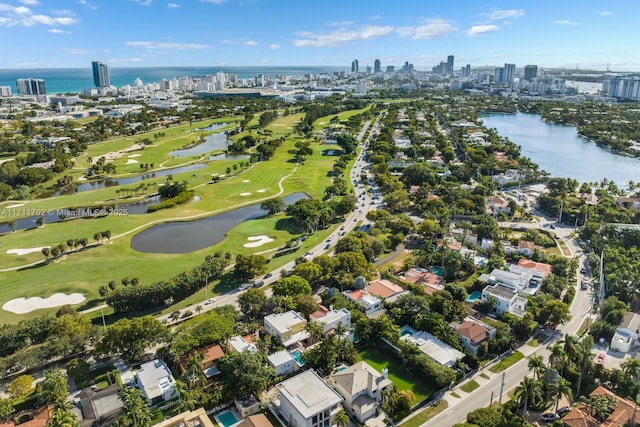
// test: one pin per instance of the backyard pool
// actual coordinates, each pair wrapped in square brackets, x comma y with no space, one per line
[226,418]
[435,269]
[297,356]
[475,295]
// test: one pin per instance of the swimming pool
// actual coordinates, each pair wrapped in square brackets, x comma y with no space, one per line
[297,356]
[435,269]
[475,295]
[227,418]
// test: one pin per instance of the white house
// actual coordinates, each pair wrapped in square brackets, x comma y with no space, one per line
[473,333]
[361,386]
[306,400]
[506,299]
[332,318]
[364,299]
[288,327]
[155,381]
[282,362]
[627,334]
[436,349]
[239,344]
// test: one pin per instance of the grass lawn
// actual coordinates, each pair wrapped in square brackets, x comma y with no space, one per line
[507,362]
[425,415]
[456,395]
[533,342]
[584,327]
[86,270]
[485,376]
[469,386]
[401,377]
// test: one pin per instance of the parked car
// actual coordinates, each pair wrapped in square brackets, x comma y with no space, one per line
[550,416]
[600,358]
[561,412]
[210,301]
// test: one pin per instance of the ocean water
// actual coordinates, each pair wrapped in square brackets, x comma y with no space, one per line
[74,80]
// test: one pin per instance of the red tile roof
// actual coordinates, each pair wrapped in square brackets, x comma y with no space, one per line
[384,288]
[621,415]
[527,263]
[474,331]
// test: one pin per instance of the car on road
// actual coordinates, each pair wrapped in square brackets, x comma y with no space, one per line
[549,416]
[243,287]
[266,276]
[584,285]
[583,270]
[328,246]
[210,301]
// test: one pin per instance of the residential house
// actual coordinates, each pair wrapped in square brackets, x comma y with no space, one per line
[155,381]
[486,244]
[627,334]
[282,362]
[473,333]
[540,269]
[288,327]
[256,420]
[361,386]
[197,417]
[211,354]
[436,349]
[364,299]
[100,407]
[497,205]
[240,344]
[506,299]
[520,278]
[526,248]
[431,282]
[306,400]
[385,289]
[623,412]
[332,318]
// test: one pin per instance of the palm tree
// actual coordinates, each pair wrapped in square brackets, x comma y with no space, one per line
[194,373]
[537,365]
[62,416]
[186,401]
[529,390]
[13,224]
[600,406]
[136,410]
[558,358]
[45,251]
[559,389]
[341,419]
[631,368]
[584,360]
[315,330]
[198,308]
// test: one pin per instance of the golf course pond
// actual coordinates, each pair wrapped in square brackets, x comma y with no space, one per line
[179,237]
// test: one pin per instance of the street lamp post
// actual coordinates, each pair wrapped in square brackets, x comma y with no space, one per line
[206,288]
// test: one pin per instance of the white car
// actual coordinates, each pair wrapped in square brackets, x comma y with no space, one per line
[210,301]
[244,287]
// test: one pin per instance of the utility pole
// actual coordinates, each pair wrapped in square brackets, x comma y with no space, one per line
[104,324]
[206,288]
[501,387]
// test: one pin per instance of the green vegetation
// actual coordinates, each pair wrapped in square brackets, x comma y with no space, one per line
[425,415]
[469,386]
[507,362]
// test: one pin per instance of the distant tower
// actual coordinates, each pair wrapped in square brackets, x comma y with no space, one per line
[530,72]
[31,87]
[509,72]
[100,74]
[450,64]
[354,66]
[376,66]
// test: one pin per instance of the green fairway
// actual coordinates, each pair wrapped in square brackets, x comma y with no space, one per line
[86,270]
[398,373]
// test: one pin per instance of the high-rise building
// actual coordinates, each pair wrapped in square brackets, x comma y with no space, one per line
[509,73]
[100,74]
[530,72]
[376,66]
[31,87]
[354,66]
[391,68]
[5,90]
[449,64]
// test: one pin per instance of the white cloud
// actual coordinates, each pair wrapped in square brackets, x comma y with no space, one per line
[173,5]
[30,2]
[566,22]
[58,31]
[375,17]
[63,12]
[605,13]
[274,46]
[167,46]
[143,2]
[214,1]
[251,43]
[478,30]
[75,51]
[22,16]
[123,60]
[502,14]
[430,29]
[340,36]
[340,23]
[89,4]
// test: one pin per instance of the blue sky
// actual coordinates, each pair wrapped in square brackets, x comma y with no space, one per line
[137,33]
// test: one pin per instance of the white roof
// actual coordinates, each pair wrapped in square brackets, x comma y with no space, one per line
[282,322]
[438,350]
[154,378]
[280,357]
[308,393]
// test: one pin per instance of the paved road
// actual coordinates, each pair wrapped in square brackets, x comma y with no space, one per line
[481,397]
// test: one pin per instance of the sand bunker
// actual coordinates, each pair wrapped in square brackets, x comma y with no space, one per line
[257,241]
[117,154]
[17,205]
[245,194]
[82,178]
[25,251]
[134,155]
[246,180]
[27,305]
[262,190]
[131,161]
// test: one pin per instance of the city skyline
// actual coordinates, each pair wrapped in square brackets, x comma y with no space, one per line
[152,33]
